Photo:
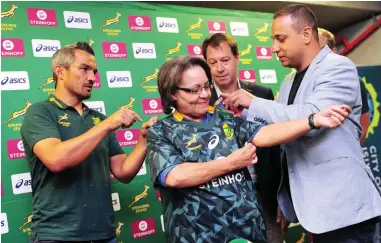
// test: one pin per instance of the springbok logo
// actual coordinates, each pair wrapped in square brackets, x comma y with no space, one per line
[10,12]
[173,50]
[96,120]
[129,105]
[150,77]
[262,29]
[90,41]
[197,25]
[112,21]
[373,107]
[276,95]
[229,132]
[246,51]
[47,81]
[62,120]
[302,238]
[144,194]
[28,220]
[191,142]
[118,228]
[18,113]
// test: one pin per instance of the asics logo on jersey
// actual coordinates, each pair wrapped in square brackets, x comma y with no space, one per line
[213,142]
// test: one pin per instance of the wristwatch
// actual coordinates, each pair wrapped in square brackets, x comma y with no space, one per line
[311,121]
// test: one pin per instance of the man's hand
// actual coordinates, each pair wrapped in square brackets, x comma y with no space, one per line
[123,117]
[281,219]
[238,100]
[243,157]
[147,125]
[332,116]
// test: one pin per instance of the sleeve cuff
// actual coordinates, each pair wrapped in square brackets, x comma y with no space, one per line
[255,133]
[163,175]
[257,110]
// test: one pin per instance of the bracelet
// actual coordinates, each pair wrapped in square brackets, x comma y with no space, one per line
[311,121]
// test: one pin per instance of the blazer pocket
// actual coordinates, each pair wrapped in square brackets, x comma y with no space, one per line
[338,158]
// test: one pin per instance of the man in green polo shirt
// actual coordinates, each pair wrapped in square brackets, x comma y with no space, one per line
[71,151]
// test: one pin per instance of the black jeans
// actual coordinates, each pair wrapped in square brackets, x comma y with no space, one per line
[364,232]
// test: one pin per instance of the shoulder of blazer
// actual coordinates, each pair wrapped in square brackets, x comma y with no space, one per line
[257,90]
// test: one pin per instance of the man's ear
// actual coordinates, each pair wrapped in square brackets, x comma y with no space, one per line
[237,57]
[59,71]
[307,35]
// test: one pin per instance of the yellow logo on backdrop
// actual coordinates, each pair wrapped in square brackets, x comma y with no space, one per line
[276,95]
[247,51]
[373,107]
[144,194]
[129,105]
[90,42]
[173,50]
[115,20]
[28,219]
[302,238]
[47,81]
[118,228]
[153,76]
[261,30]
[137,198]
[194,26]
[18,113]
[10,12]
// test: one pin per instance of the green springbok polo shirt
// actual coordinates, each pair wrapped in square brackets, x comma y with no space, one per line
[75,204]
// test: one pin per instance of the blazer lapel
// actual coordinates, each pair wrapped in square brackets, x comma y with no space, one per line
[312,68]
[285,89]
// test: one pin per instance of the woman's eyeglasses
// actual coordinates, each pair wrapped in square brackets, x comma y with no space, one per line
[196,90]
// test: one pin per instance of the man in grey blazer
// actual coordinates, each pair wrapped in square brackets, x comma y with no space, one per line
[329,190]
[221,53]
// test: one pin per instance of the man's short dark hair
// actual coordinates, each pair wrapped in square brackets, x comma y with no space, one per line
[301,16]
[65,56]
[215,41]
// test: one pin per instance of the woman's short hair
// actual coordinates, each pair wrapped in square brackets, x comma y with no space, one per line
[170,76]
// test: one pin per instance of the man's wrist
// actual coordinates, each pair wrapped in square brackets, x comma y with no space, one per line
[311,122]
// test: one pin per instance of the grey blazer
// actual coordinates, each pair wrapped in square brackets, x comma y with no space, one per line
[331,187]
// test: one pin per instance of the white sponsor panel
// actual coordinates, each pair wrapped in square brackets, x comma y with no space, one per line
[168,25]
[119,79]
[239,28]
[96,105]
[268,76]
[45,48]
[21,183]
[77,20]
[144,50]
[14,80]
